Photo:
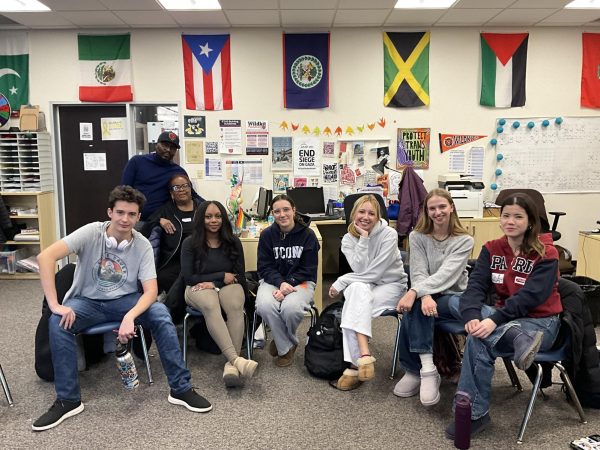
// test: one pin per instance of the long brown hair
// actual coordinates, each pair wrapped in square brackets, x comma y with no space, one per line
[425,224]
[297,217]
[531,239]
[357,204]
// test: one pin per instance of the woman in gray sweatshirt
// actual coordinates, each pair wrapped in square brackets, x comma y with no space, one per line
[439,250]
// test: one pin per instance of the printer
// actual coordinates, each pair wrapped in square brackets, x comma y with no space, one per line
[467,194]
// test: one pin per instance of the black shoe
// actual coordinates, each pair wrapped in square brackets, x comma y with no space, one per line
[526,347]
[59,411]
[191,400]
[477,426]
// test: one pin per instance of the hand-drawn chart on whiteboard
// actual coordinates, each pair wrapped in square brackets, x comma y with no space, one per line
[557,158]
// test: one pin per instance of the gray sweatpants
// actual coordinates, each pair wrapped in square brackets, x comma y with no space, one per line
[284,317]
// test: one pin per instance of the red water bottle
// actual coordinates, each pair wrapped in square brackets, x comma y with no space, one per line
[462,420]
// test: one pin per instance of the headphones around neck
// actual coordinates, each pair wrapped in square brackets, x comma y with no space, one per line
[112,243]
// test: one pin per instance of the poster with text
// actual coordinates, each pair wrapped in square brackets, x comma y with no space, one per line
[282,153]
[329,149]
[194,126]
[213,168]
[413,148]
[211,148]
[300,182]
[330,173]
[230,142]
[250,170]
[257,137]
[306,157]
[194,152]
[281,181]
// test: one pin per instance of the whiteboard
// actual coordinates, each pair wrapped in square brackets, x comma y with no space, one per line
[559,158]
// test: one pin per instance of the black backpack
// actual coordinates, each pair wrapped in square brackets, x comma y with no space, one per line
[324,353]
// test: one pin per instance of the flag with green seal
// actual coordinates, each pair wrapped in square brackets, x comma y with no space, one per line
[503,67]
[105,67]
[406,69]
[14,68]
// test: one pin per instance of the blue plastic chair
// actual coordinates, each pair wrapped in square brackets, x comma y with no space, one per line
[191,312]
[6,389]
[107,327]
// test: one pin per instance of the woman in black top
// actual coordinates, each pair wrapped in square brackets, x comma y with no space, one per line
[212,263]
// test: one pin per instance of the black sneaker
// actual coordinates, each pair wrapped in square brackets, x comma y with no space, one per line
[477,426]
[59,411]
[191,400]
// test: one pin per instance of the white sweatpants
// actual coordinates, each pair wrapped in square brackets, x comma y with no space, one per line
[364,302]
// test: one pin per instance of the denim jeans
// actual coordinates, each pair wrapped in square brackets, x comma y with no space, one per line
[416,335]
[480,355]
[89,312]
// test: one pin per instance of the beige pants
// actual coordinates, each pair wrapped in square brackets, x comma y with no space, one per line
[227,335]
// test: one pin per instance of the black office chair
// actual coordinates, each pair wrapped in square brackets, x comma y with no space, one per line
[565,256]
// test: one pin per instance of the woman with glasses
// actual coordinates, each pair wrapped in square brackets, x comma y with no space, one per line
[287,267]
[168,227]
[376,281]
[212,263]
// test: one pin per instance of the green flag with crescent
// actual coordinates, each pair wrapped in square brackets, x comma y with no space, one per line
[14,68]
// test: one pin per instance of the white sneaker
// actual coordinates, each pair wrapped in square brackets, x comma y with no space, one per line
[408,385]
[430,387]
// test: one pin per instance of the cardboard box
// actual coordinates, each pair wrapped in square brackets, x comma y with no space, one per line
[29,118]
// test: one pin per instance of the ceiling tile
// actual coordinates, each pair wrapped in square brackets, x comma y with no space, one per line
[408,17]
[361,17]
[74,5]
[558,4]
[147,18]
[40,19]
[571,17]
[132,5]
[249,4]
[483,4]
[510,17]
[372,4]
[97,19]
[266,18]
[308,4]
[475,17]
[320,18]
[200,18]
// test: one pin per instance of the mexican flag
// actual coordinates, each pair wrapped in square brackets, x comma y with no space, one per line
[105,67]
[14,68]
[503,67]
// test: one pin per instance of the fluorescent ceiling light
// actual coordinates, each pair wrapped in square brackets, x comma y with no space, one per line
[584,4]
[190,5]
[424,4]
[22,6]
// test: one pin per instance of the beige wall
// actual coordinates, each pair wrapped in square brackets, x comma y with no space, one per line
[553,88]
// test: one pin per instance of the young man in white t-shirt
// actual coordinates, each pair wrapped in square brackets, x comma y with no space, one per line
[111,259]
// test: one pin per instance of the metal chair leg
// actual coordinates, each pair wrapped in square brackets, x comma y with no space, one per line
[512,374]
[185,337]
[251,344]
[529,410]
[572,393]
[247,325]
[396,350]
[6,389]
[146,358]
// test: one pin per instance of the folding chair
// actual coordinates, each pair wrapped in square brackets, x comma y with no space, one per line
[6,389]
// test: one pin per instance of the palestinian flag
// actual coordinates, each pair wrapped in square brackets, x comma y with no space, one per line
[406,69]
[590,71]
[503,67]
[105,67]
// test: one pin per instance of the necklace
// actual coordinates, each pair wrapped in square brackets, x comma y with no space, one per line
[440,239]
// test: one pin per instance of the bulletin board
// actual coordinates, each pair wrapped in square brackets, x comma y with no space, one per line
[561,157]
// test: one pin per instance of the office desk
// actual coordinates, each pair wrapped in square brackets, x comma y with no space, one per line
[250,246]
[588,255]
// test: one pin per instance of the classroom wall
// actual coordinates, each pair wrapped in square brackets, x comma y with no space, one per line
[356,96]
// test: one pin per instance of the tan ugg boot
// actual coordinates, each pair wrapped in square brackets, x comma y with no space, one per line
[246,367]
[348,381]
[231,376]
[366,368]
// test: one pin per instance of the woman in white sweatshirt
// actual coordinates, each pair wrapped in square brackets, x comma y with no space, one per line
[439,250]
[374,285]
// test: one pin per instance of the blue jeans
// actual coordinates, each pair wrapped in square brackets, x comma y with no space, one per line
[416,334]
[480,355]
[89,312]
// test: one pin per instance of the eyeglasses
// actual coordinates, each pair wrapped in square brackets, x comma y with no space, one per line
[180,187]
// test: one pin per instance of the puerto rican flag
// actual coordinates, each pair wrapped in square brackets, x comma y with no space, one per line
[207,71]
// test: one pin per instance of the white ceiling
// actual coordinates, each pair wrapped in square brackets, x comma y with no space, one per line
[306,14]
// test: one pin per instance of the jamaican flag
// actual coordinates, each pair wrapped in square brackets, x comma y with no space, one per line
[406,69]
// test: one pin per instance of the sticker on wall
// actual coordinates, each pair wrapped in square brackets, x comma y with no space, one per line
[194,126]
[329,149]
[281,181]
[211,148]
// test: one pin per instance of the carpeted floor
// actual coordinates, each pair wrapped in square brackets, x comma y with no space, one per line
[277,409]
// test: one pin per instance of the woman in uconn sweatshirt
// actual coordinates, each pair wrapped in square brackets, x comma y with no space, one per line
[287,266]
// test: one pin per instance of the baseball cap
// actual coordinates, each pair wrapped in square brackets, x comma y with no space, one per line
[170,137]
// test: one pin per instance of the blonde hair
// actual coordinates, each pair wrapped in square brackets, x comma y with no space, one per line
[425,224]
[359,202]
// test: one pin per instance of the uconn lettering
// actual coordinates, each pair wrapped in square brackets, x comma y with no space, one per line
[293,252]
